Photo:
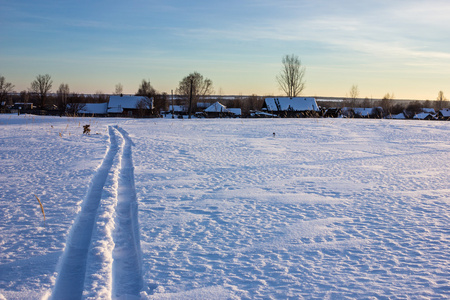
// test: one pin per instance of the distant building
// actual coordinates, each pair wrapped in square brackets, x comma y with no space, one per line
[178,109]
[362,112]
[429,110]
[97,109]
[218,110]
[130,106]
[400,116]
[372,112]
[22,106]
[424,116]
[291,107]
[333,112]
[236,112]
[444,114]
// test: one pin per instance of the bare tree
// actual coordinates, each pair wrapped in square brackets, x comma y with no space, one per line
[441,98]
[146,89]
[367,102]
[119,89]
[5,89]
[251,103]
[160,102]
[42,85]
[100,97]
[197,85]
[144,107]
[387,103]
[24,96]
[291,76]
[75,108]
[353,95]
[63,94]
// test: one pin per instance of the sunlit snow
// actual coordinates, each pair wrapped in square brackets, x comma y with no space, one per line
[224,209]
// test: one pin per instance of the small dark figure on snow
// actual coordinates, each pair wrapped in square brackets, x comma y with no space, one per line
[274,134]
[87,129]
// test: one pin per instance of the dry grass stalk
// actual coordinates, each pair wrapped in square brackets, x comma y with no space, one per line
[42,207]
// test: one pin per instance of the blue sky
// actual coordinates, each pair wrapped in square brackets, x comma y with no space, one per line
[396,46]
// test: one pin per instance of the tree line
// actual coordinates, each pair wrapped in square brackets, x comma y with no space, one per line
[192,89]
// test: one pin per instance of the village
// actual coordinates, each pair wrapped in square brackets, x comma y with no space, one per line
[237,107]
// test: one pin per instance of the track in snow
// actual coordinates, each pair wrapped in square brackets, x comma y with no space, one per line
[126,269]
[127,265]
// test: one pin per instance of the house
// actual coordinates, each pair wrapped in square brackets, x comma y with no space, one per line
[218,110]
[424,116]
[400,116]
[129,105]
[291,107]
[362,112]
[236,112]
[260,114]
[21,106]
[429,110]
[332,112]
[96,109]
[444,114]
[177,110]
[375,112]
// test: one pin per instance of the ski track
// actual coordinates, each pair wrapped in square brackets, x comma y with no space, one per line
[329,209]
[127,264]
[102,257]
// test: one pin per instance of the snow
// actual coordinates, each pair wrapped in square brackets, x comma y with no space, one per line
[445,112]
[223,209]
[363,112]
[177,108]
[428,110]
[400,116]
[116,104]
[94,108]
[220,108]
[235,111]
[216,107]
[423,116]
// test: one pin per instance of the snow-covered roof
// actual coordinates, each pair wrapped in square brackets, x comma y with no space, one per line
[397,116]
[363,112]
[429,110]
[216,107]
[235,111]
[445,112]
[423,116]
[291,104]
[94,108]
[263,114]
[177,108]
[118,103]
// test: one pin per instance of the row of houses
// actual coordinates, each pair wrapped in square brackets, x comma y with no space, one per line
[117,106]
[138,106]
[272,107]
[207,110]
[427,114]
[378,113]
[300,107]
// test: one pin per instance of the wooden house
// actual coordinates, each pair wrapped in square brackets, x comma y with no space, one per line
[291,107]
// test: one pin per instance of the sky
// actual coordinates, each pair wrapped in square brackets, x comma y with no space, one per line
[401,47]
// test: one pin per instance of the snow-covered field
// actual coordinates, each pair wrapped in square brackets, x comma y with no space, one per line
[223,209]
